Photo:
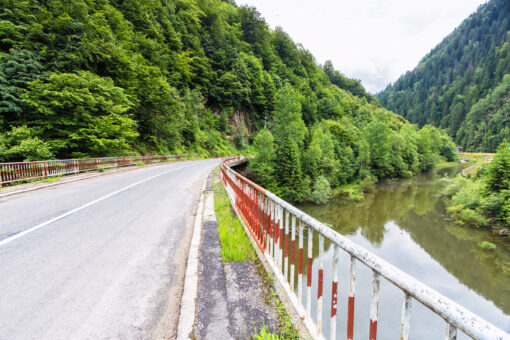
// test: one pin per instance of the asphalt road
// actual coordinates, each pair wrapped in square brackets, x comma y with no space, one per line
[102,258]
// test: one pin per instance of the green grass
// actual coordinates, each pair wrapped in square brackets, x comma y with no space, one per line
[266,334]
[235,245]
[287,329]
[444,165]
[487,245]
[52,179]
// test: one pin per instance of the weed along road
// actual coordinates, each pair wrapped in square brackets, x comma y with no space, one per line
[99,258]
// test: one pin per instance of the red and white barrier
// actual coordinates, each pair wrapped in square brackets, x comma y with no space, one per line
[22,171]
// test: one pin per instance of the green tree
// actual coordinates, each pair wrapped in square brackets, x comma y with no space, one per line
[81,114]
[321,191]
[287,171]
[22,144]
[498,171]
[377,136]
[288,122]
[263,163]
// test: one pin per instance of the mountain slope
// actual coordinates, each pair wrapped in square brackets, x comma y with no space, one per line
[96,78]
[453,85]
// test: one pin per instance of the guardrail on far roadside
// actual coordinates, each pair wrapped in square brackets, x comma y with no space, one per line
[22,171]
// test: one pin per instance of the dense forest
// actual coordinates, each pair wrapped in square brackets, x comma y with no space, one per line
[97,78]
[82,78]
[463,84]
[299,162]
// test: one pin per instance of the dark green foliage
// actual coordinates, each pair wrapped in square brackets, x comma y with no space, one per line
[17,69]
[463,84]
[288,175]
[351,85]
[363,141]
[498,171]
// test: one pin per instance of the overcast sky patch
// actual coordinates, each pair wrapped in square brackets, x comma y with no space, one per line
[372,40]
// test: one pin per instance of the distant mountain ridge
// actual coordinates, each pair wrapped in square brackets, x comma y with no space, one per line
[463,84]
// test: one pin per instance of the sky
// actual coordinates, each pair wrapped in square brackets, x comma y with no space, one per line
[375,41]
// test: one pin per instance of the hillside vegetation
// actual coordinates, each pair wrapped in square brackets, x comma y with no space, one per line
[369,144]
[100,78]
[85,78]
[463,84]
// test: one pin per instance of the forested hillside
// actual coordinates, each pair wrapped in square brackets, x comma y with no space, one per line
[83,78]
[96,78]
[463,84]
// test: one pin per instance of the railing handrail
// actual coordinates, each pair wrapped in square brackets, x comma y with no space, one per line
[454,314]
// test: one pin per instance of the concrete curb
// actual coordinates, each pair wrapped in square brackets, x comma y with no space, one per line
[11,193]
[188,300]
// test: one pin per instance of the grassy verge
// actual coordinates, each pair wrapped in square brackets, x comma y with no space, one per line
[287,329]
[235,245]
[444,165]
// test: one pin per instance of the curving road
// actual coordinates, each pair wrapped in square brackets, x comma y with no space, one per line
[102,258]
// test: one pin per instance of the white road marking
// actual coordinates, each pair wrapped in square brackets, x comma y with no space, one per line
[70,212]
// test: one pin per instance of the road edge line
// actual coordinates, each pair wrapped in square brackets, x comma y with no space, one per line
[189,295]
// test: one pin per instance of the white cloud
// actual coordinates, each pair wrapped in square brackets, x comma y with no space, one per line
[372,40]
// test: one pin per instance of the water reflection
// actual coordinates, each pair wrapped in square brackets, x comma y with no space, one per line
[404,222]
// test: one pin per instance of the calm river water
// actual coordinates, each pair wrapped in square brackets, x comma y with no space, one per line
[404,222]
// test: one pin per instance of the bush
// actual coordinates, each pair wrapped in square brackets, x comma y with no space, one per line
[492,204]
[321,191]
[487,245]
[455,186]
[22,144]
[464,215]
[367,185]
[470,195]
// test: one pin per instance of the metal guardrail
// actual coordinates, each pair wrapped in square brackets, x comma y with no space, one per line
[269,219]
[22,171]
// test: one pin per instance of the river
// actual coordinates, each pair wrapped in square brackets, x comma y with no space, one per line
[404,222]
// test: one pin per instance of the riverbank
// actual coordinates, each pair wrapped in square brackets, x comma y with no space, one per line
[481,197]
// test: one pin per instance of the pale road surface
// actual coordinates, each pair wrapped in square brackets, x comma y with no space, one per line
[112,267]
